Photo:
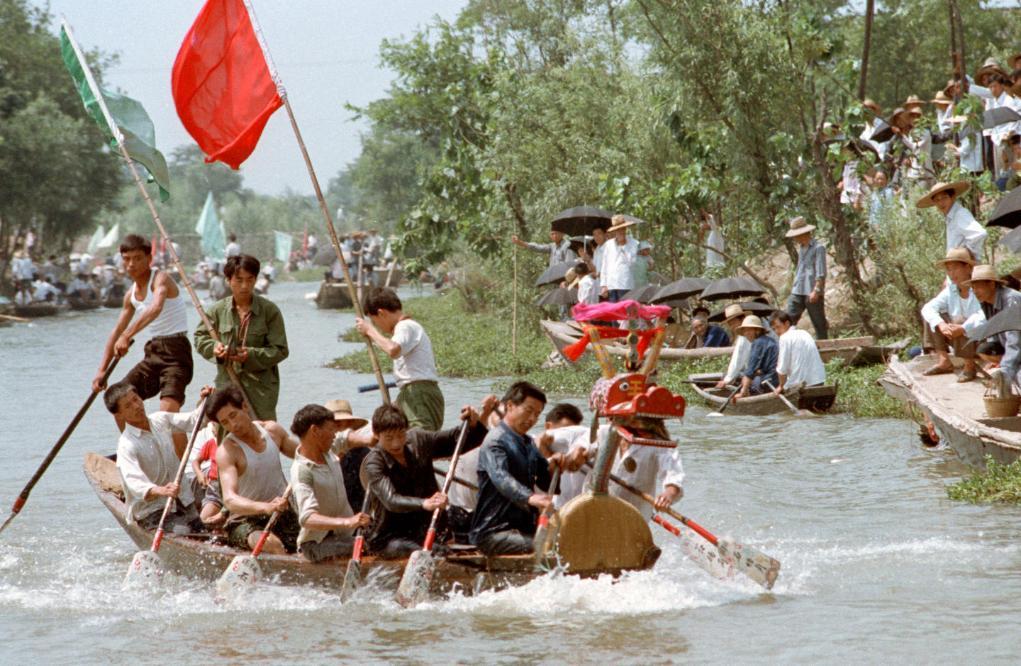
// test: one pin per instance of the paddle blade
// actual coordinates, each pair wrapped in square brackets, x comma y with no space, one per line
[243,571]
[8,521]
[752,562]
[417,579]
[146,569]
[352,579]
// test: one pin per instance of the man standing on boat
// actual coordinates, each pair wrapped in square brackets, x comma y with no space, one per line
[252,484]
[946,314]
[409,346]
[326,519]
[809,289]
[762,358]
[798,359]
[559,249]
[962,228]
[166,368]
[616,272]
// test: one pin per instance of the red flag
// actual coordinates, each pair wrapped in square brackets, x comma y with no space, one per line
[221,83]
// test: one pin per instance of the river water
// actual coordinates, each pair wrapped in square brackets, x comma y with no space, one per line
[877,563]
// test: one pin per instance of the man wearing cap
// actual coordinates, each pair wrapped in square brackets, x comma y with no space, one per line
[809,289]
[948,311]
[798,359]
[732,317]
[559,249]
[762,358]
[616,270]
[962,229]
[995,296]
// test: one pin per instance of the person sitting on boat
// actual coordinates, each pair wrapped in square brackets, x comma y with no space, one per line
[762,358]
[564,433]
[251,480]
[398,474]
[995,296]
[412,352]
[148,456]
[207,481]
[708,335]
[733,315]
[351,444]
[81,287]
[510,467]
[45,291]
[798,360]
[326,519]
[946,313]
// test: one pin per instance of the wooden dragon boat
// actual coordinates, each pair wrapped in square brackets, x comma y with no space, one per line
[956,412]
[814,398]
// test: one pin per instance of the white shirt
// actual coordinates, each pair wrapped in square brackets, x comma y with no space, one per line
[799,361]
[949,301]
[597,261]
[738,357]
[566,439]
[615,271]
[319,489]
[23,269]
[964,231]
[588,290]
[232,250]
[416,362]
[43,290]
[851,191]
[713,257]
[148,459]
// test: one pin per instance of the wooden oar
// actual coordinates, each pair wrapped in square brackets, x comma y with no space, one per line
[753,563]
[353,574]
[723,407]
[23,320]
[146,564]
[790,405]
[244,569]
[19,503]
[418,573]
[542,529]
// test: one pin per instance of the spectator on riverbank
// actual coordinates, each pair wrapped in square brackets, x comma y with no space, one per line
[559,247]
[809,289]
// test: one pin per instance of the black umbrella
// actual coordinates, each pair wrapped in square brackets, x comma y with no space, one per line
[1001,115]
[1008,319]
[732,287]
[558,296]
[882,132]
[1008,211]
[748,306]
[581,220]
[680,289]
[555,273]
[1012,240]
[642,294]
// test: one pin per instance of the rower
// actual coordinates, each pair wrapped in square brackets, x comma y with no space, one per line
[762,357]
[564,433]
[251,480]
[399,475]
[326,519]
[798,359]
[732,317]
[510,467]
[148,456]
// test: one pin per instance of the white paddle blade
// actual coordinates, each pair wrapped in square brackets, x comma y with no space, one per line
[146,569]
[417,579]
[243,571]
[752,562]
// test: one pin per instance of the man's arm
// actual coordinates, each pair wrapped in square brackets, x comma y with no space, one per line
[671,476]
[931,310]
[227,471]
[204,343]
[287,444]
[493,459]
[308,506]
[534,247]
[127,312]
[160,293]
[389,347]
[275,351]
[382,488]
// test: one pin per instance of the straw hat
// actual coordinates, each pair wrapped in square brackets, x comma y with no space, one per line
[956,189]
[871,105]
[984,273]
[942,99]
[751,321]
[989,67]
[901,111]
[959,254]
[343,415]
[913,100]
[732,311]
[620,222]
[798,227]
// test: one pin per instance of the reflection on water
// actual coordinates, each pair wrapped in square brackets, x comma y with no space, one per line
[874,555]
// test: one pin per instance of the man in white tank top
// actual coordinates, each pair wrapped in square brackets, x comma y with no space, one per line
[252,483]
[166,368]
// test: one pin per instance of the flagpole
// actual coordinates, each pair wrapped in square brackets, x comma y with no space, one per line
[334,240]
[115,130]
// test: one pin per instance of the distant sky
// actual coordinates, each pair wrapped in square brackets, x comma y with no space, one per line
[325,50]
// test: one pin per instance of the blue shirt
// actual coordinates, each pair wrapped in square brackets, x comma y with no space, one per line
[509,467]
[811,268]
[762,359]
[715,336]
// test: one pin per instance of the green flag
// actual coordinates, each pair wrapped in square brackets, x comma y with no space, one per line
[130,116]
[283,246]
[211,230]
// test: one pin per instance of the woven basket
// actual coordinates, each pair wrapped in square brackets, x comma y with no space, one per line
[1001,407]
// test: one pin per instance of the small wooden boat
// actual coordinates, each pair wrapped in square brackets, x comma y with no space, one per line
[40,309]
[380,276]
[956,411]
[78,303]
[814,398]
[333,296]
[562,333]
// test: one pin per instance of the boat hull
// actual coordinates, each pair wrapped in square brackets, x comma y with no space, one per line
[813,398]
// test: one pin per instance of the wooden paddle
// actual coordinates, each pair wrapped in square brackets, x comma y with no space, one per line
[146,564]
[19,503]
[723,407]
[753,563]
[353,574]
[542,530]
[22,320]
[244,569]
[418,573]
[790,405]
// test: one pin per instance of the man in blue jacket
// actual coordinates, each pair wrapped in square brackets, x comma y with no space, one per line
[762,358]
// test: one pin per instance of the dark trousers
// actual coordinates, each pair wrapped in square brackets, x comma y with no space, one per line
[333,545]
[614,295]
[508,542]
[796,306]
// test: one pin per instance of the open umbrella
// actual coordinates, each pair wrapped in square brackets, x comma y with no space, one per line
[1001,115]
[753,307]
[581,220]
[555,273]
[1012,241]
[680,289]
[1007,212]
[558,296]
[642,294]
[732,287]
[1008,319]
[882,132]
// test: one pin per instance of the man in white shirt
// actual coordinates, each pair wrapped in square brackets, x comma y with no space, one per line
[148,457]
[732,317]
[411,350]
[588,289]
[799,361]
[962,229]
[619,255]
[233,248]
[947,312]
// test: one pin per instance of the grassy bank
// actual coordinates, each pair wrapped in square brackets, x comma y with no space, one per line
[996,483]
[477,345]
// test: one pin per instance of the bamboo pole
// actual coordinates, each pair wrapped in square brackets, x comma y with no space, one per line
[514,311]
[377,370]
[870,10]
